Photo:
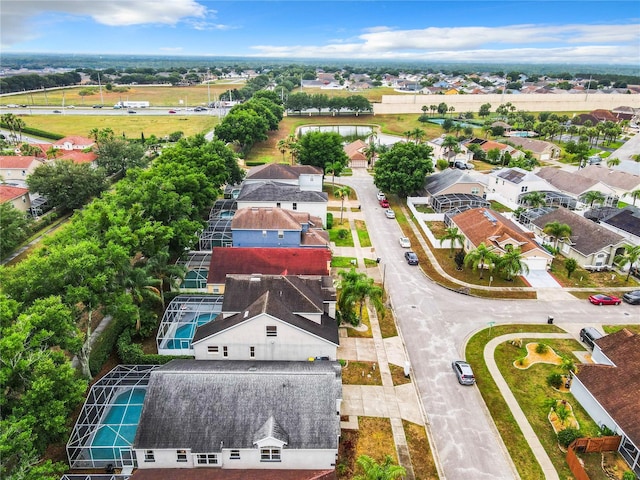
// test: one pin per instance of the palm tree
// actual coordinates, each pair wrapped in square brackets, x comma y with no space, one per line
[433,109]
[451,110]
[282,147]
[613,162]
[630,256]
[535,199]
[168,275]
[418,134]
[635,194]
[141,286]
[454,236]
[408,134]
[387,470]
[356,288]
[593,196]
[479,257]
[557,230]
[342,193]
[332,167]
[370,152]
[449,143]
[511,264]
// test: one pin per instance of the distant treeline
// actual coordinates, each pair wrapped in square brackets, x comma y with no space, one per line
[33,81]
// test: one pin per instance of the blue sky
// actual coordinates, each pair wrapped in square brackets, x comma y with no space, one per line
[572,32]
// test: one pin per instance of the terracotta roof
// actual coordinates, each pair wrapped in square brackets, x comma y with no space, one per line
[483,225]
[230,474]
[79,157]
[8,192]
[354,150]
[613,178]
[587,237]
[18,162]
[570,182]
[280,171]
[271,218]
[315,237]
[288,261]
[75,140]
[617,388]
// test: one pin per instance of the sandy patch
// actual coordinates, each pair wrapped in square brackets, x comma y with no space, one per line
[557,423]
[550,356]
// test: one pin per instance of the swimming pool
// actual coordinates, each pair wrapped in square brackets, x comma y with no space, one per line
[184,333]
[440,121]
[521,134]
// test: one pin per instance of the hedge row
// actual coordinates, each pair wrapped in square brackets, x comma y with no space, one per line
[104,345]
[132,354]
[37,132]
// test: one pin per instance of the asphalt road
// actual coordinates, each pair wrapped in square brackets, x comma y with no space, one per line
[435,324]
[108,110]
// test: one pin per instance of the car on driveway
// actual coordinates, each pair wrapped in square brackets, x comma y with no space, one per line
[602,299]
[390,213]
[405,242]
[632,298]
[411,258]
[384,203]
[381,196]
[463,372]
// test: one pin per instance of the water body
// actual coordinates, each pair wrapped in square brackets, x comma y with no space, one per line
[343,130]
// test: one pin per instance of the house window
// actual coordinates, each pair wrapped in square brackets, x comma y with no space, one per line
[295,206]
[475,191]
[278,205]
[264,233]
[269,454]
[207,459]
[235,455]
[225,351]
[496,181]
[149,456]
[272,331]
[252,352]
[216,290]
[280,233]
[212,349]
[181,456]
[524,189]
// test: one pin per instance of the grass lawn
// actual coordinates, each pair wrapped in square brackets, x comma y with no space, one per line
[397,375]
[439,229]
[532,393]
[131,125]
[634,328]
[374,438]
[361,373]
[344,262]
[498,207]
[353,333]
[516,444]
[585,279]
[424,467]
[387,324]
[363,234]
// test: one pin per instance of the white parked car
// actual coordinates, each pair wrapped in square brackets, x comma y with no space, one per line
[405,242]
[381,196]
[390,213]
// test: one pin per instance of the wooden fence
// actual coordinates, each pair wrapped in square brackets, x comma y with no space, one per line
[589,445]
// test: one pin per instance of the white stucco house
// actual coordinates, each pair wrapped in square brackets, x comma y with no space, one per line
[272,317]
[510,184]
[609,390]
[241,415]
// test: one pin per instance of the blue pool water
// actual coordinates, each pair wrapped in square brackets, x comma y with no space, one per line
[521,134]
[119,425]
[184,333]
[440,121]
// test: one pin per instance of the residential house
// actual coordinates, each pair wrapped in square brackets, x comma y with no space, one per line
[609,390]
[74,142]
[14,169]
[78,157]
[625,222]
[276,227]
[482,225]
[539,149]
[453,188]
[511,184]
[622,183]
[356,153]
[271,317]
[16,196]
[289,261]
[305,177]
[590,244]
[280,195]
[441,153]
[503,148]
[241,415]
[577,185]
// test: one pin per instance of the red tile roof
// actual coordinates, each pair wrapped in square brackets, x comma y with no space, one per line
[230,474]
[8,192]
[18,162]
[617,388]
[75,140]
[79,157]
[354,150]
[267,261]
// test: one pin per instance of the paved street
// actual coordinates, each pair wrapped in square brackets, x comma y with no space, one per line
[435,324]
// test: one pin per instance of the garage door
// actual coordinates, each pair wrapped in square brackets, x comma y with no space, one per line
[536,263]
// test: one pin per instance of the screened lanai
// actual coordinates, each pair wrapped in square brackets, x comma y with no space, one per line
[196,264]
[452,201]
[183,315]
[552,199]
[106,428]
[531,214]
[218,230]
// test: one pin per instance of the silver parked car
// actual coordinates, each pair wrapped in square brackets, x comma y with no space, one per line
[463,372]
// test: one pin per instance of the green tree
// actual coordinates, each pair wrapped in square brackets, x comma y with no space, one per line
[67,185]
[244,127]
[570,265]
[593,196]
[630,257]
[335,168]
[282,147]
[169,275]
[403,168]
[454,236]
[373,470]
[511,263]
[116,154]
[443,108]
[356,288]
[479,257]
[319,148]
[141,285]
[558,231]
[14,226]
[613,162]
[635,194]
[535,199]
[342,193]
[485,110]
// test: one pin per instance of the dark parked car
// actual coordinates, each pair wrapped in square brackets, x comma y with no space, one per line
[411,258]
[602,299]
[463,372]
[97,106]
[632,298]
[57,111]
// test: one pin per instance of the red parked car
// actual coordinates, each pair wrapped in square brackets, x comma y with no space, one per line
[601,299]
[384,203]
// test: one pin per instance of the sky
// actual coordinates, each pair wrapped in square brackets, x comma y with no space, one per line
[595,32]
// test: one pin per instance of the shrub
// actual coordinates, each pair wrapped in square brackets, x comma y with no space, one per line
[343,233]
[568,435]
[629,475]
[542,348]
[521,360]
[104,345]
[554,380]
[606,431]
[442,164]
[329,221]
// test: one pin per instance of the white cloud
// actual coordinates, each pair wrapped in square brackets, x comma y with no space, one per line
[527,43]
[17,15]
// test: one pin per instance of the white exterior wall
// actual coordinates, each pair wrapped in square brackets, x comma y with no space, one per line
[591,405]
[511,191]
[311,182]
[318,209]
[599,357]
[164,458]
[291,344]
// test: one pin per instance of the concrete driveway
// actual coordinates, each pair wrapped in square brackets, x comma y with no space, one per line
[541,279]
[435,324]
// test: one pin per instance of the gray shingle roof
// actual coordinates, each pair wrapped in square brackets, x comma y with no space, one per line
[571,182]
[279,171]
[203,405]
[439,182]
[278,192]
[627,219]
[587,237]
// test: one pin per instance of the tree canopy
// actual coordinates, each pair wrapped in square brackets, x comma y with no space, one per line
[403,168]
[319,148]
